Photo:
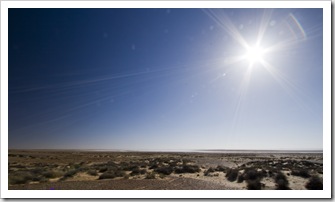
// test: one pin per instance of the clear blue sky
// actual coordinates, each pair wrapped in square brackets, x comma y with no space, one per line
[165,79]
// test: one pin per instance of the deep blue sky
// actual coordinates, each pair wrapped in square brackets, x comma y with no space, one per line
[160,79]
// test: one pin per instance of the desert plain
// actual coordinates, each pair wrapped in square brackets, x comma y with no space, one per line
[130,170]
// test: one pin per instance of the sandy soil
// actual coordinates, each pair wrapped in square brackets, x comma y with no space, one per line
[84,170]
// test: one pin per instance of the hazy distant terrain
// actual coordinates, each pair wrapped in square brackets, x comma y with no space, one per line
[84,170]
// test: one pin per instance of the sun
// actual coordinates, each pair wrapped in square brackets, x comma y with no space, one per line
[254,54]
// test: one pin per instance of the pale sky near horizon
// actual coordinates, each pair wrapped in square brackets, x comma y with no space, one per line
[165,79]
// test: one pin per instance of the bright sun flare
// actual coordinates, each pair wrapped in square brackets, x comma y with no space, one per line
[255,54]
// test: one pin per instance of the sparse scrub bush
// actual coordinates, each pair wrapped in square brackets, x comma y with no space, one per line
[282,184]
[231,174]
[92,172]
[251,174]
[271,173]
[70,173]
[129,167]
[150,176]
[240,178]
[186,161]
[314,183]
[301,173]
[52,174]
[138,171]
[82,169]
[281,181]
[166,170]
[254,184]
[173,163]
[263,173]
[20,178]
[153,166]
[111,164]
[143,165]
[112,174]
[107,175]
[221,168]
[76,166]
[187,169]
[103,169]
[37,171]
[208,171]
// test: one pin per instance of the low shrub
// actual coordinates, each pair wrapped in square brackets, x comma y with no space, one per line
[138,171]
[112,174]
[240,178]
[153,166]
[92,172]
[314,183]
[150,176]
[162,176]
[282,185]
[254,184]
[70,173]
[301,173]
[208,171]
[52,174]
[103,169]
[187,169]
[231,174]
[107,175]
[252,174]
[281,181]
[166,170]
[129,167]
[37,171]
[20,178]
[77,166]
[221,168]
[173,163]
[271,173]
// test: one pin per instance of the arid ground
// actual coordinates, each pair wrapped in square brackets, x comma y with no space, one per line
[93,170]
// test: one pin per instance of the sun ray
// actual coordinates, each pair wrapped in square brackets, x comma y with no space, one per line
[225,23]
[289,87]
[267,13]
[242,93]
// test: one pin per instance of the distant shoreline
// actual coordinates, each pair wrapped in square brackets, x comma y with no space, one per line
[214,151]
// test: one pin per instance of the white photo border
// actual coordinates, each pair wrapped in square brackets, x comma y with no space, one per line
[325,193]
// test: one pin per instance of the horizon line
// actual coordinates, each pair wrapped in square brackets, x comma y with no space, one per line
[170,150]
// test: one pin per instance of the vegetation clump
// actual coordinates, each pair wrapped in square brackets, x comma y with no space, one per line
[231,174]
[20,178]
[209,171]
[314,183]
[103,169]
[221,168]
[112,174]
[240,178]
[253,174]
[137,171]
[166,170]
[281,181]
[92,172]
[52,174]
[70,173]
[254,184]
[187,169]
[301,173]
[150,176]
